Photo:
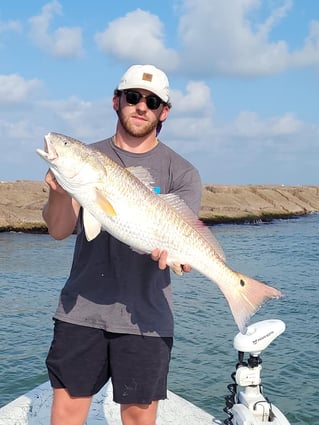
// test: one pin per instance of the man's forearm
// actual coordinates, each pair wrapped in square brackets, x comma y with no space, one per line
[60,214]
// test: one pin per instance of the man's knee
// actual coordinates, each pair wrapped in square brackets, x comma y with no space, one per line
[67,409]
[139,414]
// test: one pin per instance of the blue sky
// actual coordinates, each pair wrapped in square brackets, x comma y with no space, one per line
[244,78]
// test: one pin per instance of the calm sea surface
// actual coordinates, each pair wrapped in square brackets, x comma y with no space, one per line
[33,269]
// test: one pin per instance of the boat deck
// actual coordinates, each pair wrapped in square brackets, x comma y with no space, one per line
[33,408]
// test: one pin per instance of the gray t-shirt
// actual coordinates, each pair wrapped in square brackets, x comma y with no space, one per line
[112,287]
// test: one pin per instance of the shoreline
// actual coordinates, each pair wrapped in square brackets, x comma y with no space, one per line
[21,203]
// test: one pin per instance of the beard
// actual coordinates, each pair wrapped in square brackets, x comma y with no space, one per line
[147,129]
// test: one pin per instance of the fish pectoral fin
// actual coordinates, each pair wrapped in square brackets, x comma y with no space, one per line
[177,268]
[91,226]
[105,204]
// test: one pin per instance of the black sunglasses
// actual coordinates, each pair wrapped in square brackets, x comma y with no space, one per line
[133,97]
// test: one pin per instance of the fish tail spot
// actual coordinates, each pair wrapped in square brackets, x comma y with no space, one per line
[242,282]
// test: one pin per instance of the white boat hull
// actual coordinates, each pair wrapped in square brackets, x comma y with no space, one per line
[33,408]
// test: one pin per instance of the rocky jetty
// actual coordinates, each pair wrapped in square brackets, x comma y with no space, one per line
[250,203]
[21,203]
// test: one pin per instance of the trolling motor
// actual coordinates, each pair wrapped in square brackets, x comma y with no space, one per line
[247,405]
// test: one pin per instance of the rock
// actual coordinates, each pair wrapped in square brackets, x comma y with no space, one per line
[21,203]
[249,203]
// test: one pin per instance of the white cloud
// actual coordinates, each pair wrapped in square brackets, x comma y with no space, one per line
[224,38]
[250,125]
[196,101]
[216,37]
[277,15]
[139,37]
[14,88]
[87,120]
[64,42]
[244,147]
[22,132]
[309,55]
[240,151]
[190,125]
[219,37]
[10,26]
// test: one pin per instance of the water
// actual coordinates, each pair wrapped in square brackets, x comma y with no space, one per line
[33,268]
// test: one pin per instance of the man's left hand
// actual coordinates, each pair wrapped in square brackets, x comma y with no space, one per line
[161,257]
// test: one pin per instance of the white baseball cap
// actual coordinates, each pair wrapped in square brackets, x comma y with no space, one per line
[146,77]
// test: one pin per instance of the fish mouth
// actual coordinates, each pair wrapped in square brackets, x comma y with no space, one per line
[49,153]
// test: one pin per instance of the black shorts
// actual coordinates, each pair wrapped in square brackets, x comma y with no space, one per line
[82,359]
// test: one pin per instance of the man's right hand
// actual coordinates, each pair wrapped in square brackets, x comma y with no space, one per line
[52,182]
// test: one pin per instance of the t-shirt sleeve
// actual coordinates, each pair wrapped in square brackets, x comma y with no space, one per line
[187,185]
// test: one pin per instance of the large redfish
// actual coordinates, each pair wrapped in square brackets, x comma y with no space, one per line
[122,202]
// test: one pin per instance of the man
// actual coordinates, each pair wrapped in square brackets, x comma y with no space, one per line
[114,318]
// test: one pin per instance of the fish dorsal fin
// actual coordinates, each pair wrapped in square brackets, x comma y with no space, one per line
[91,226]
[182,208]
[143,175]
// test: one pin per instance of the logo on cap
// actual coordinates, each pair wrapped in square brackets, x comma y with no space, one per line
[147,77]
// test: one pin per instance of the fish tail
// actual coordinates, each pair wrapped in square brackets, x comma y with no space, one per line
[247,298]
